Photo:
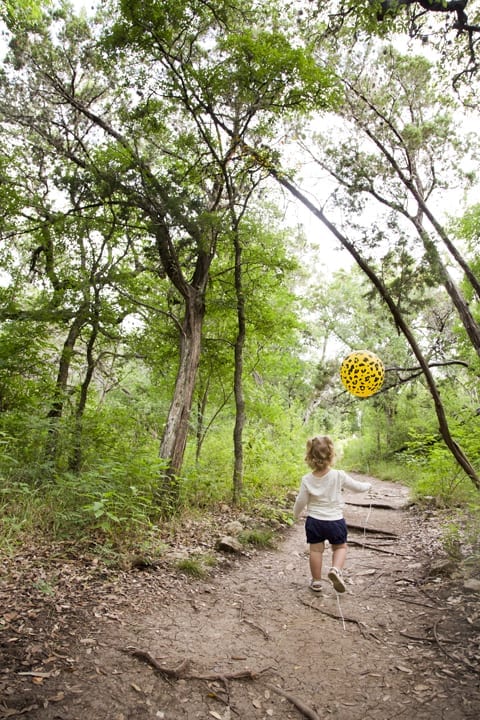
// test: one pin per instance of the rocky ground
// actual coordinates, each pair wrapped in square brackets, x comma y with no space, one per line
[250,640]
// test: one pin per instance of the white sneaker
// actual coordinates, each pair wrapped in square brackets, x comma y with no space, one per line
[335,577]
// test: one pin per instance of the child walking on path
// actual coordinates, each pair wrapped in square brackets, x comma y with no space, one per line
[321,493]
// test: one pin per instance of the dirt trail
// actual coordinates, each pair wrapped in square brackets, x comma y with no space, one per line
[397,644]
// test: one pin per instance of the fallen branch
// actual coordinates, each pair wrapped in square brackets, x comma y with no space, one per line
[304,709]
[413,602]
[422,638]
[361,626]
[417,638]
[257,627]
[373,582]
[175,673]
[377,549]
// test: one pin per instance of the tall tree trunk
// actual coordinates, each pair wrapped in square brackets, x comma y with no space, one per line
[238,375]
[452,445]
[76,456]
[56,410]
[175,434]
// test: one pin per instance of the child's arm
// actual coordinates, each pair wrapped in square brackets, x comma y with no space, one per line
[300,502]
[355,485]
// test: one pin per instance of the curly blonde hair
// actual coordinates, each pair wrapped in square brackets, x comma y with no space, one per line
[320,452]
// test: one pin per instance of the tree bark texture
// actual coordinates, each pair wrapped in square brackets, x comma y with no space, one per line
[175,434]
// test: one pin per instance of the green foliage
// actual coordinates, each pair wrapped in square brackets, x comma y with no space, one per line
[451,542]
[460,537]
[22,12]
[292,78]
[20,509]
[468,228]
[273,459]
[88,310]
[45,586]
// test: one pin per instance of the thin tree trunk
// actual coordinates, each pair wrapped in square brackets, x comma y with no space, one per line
[56,410]
[238,375]
[452,445]
[200,431]
[76,457]
[468,321]
[414,188]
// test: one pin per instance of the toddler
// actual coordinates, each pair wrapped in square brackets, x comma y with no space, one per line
[321,493]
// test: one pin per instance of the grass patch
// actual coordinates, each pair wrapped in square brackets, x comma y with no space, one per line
[259,537]
[193,567]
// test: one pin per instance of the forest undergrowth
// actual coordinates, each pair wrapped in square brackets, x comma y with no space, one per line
[198,632]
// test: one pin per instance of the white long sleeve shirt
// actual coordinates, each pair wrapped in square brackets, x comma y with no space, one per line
[322,496]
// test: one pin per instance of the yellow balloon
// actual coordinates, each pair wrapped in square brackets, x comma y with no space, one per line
[362,373]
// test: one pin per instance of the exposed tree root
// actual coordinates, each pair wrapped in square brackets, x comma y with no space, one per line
[361,626]
[180,672]
[304,709]
[447,654]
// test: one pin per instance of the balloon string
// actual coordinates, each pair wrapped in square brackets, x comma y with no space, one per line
[365,525]
[340,610]
[338,594]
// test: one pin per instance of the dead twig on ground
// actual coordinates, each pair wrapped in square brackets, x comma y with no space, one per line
[252,624]
[373,582]
[299,704]
[175,673]
[257,627]
[413,602]
[422,638]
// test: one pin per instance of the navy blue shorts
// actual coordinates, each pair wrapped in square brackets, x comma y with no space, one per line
[335,531]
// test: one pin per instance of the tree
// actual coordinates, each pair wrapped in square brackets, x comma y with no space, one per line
[403,326]
[448,29]
[233,91]
[152,119]
[21,11]
[400,157]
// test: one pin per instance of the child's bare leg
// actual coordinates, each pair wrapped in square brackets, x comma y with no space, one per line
[335,573]
[315,559]
[338,555]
